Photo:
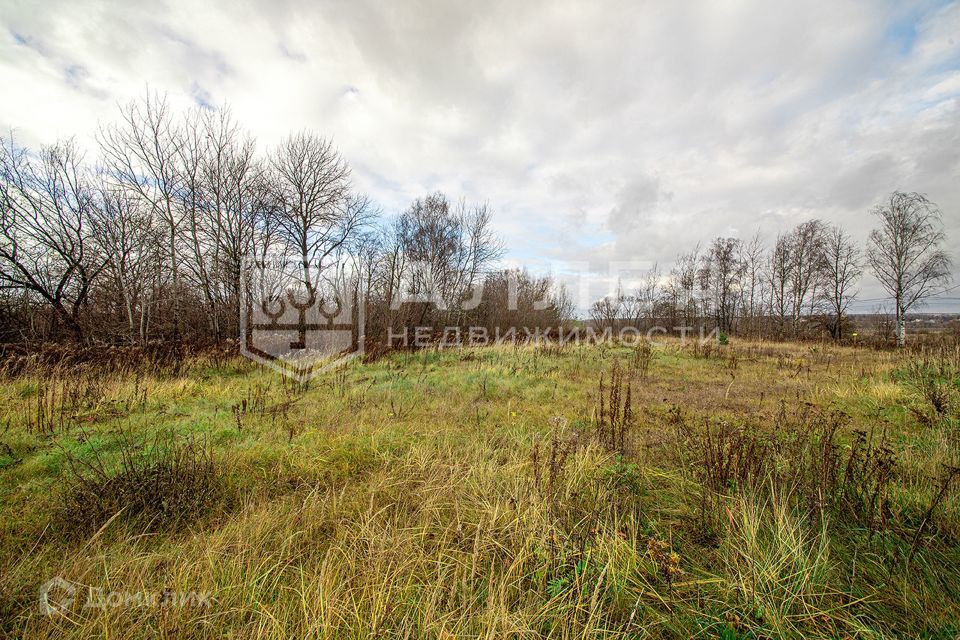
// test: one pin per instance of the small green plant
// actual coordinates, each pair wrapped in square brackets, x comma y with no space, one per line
[623,477]
[581,575]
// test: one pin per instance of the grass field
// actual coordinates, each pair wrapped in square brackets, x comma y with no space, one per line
[744,491]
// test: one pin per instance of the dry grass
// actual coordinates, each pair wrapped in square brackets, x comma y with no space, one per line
[779,567]
[481,494]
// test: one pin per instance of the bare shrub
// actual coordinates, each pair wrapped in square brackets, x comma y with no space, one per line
[642,357]
[158,487]
[548,462]
[934,376]
[732,455]
[703,349]
[614,410]
[864,489]
[799,458]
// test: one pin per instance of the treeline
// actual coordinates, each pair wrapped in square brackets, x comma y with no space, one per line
[801,286]
[154,237]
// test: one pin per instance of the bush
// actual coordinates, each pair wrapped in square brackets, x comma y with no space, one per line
[165,485]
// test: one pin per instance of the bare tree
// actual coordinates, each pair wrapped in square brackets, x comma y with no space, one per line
[225,198]
[46,247]
[237,201]
[647,296]
[724,272]
[182,200]
[806,269]
[683,282]
[311,186]
[141,153]
[200,228]
[562,304]
[780,275]
[905,252]
[513,298]
[842,268]
[123,228]
[751,290]
[481,247]
[607,312]
[446,250]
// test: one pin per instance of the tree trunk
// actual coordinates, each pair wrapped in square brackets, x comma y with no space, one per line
[901,328]
[70,320]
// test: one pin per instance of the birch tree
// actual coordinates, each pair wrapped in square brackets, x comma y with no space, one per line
[906,253]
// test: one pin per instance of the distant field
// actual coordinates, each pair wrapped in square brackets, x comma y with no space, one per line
[740,491]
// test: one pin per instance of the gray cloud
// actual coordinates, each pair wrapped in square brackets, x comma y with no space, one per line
[636,201]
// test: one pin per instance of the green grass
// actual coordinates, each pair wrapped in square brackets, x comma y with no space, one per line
[398,499]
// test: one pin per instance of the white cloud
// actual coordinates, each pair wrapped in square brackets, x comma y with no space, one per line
[615,130]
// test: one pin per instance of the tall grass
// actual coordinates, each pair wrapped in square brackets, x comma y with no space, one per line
[496,493]
[778,566]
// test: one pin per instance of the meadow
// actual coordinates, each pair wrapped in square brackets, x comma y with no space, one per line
[746,490]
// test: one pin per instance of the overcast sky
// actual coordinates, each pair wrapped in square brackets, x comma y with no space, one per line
[596,130]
